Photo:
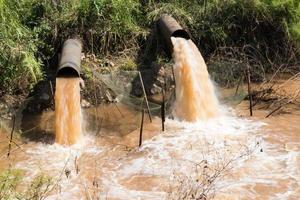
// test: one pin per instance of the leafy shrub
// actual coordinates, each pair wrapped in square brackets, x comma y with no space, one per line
[19,65]
[233,34]
[32,31]
[217,23]
[105,26]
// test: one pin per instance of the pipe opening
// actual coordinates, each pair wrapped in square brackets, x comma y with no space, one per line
[169,27]
[67,71]
[181,33]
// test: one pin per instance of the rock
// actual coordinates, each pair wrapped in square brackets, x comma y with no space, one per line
[111,63]
[44,97]
[67,172]
[155,89]
[137,89]
[160,81]
[85,104]
[110,97]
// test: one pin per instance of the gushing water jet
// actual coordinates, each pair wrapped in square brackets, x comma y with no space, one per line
[195,94]
[68,125]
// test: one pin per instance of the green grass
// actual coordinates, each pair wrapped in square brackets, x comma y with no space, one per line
[33,30]
[128,64]
[11,179]
[19,64]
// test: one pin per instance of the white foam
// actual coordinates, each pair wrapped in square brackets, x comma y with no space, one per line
[175,150]
[185,141]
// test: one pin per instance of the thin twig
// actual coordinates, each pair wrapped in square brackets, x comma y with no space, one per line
[279,107]
[118,109]
[238,85]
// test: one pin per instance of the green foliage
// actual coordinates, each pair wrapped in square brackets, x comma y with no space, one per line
[88,74]
[103,25]
[176,8]
[33,30]
[19,66]
[232,34]
[219,23]
[39,187]
[10,179]
[128,64]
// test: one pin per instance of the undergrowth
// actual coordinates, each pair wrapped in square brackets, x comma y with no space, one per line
[19,62]
[261,32]
[10,186]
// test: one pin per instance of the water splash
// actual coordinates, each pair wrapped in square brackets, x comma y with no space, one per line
[67,111]
[195,94]
[111,171]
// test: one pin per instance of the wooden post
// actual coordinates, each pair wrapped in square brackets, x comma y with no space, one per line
[11,135]
[141,128]
[249,89]
[145,96]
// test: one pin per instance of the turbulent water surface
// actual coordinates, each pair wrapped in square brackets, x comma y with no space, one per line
[67,111]
[195,94]
[263,157]
[222,154]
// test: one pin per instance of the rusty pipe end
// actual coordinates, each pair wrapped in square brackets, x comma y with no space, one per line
[168,27]
[69,65]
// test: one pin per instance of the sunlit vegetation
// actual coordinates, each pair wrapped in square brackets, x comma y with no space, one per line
[11,185]
[262,32]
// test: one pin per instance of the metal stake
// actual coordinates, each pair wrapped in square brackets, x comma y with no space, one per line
[145,96]
[141,129]
[249,90]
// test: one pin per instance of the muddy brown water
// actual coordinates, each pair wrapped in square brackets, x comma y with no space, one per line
[68,115]
[108,163]
[192,81]
[112,166]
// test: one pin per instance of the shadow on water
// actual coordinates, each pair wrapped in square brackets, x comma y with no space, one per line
[38,127]
[111,120]
[106,120]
